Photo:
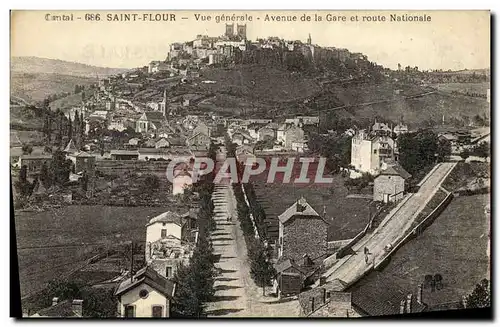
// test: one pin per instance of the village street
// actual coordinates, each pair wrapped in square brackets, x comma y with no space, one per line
[236,294]
[399,220]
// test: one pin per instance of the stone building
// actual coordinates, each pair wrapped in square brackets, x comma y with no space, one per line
[390,184]
[302,231]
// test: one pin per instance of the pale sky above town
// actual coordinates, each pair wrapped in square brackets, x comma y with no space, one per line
[452,40]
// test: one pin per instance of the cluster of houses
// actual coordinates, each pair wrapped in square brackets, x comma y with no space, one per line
[376,152]
[267,135]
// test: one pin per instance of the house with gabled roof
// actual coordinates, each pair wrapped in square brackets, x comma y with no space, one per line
[146,294]
[390,184]
[61,309]
[302,232]
[149,122]
[199,139]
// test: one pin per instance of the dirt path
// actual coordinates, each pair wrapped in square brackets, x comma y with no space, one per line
[236,294]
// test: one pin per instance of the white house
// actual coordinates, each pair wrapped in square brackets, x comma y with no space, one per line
[167,223]
[146,295]
[182,181]
[280,133]
[369,152]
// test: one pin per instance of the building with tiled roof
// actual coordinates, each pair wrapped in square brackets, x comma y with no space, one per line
[61,309]
[146,294]
[390,184]
[302,232]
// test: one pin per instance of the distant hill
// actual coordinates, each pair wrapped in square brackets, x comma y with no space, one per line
[276,92]
[34,87]
[33,65]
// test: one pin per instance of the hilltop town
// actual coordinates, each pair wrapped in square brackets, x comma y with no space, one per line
[136,244]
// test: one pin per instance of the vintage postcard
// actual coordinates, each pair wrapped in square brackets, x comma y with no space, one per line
[179,164]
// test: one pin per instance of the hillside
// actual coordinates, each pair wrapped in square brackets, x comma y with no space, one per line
[34,87]
[258,90]
[261,83]
[35,65]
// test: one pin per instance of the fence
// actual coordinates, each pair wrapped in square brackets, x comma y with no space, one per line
[426,222]
[118,167]
[250,212]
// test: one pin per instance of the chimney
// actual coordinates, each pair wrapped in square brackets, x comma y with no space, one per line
[420,293]
[55,300]
[77,307]
[408,303]
[402,307]
[324,295]
[312,304]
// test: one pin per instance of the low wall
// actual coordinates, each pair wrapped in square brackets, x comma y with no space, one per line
[346,248]
[250,212]
[417,230]
[118,167]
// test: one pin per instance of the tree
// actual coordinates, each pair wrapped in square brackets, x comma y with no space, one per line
[480,296]
[482,150]
[151,184]
[84,180]
[443,149]
[27,148]
[465,154]
[97,303]
[60,168]
[261,268]
[70,129]
[24,187]
[45,177]
[23,173]
[417,151]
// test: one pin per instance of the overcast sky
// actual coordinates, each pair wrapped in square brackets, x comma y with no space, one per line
[452,40]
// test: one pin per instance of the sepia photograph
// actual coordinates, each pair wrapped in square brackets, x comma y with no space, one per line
[303,164]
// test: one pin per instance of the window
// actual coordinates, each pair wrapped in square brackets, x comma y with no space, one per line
[157,311]
[143,293]
[163,233]
[281,240]
[169,272]
[129,311]
[375,151]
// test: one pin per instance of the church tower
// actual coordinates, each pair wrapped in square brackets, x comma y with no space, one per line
[309,40]
[229,30]
[241,31]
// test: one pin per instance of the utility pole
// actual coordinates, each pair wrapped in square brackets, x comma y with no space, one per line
[131,261]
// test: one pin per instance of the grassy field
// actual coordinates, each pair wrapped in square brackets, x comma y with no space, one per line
[455,246]
[52,243]
[18,138]
[346,216]
[465,173]
[37,86]
[479,88]
[72,100]
[261,83]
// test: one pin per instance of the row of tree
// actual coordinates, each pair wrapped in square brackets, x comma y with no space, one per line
[259,252]
[195,282]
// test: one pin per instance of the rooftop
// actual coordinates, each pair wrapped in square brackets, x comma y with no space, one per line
[167,217]
[150,277]
[124,152]
[293,210]
[396,169]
